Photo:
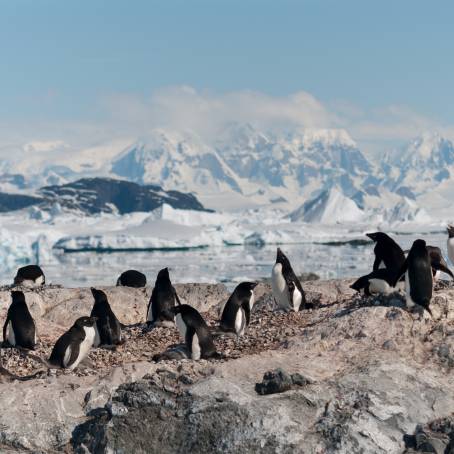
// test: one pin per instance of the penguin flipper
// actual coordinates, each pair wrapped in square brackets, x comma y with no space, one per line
[400,273]
[445,269]
[74,354]
[5,326]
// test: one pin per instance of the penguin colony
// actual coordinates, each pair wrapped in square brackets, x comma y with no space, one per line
[393,270]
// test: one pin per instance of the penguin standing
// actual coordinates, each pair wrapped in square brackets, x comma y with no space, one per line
[451,243]
[287,289]
[194,330]
[108,328]
[437,261]
[73,346]
[418,276]
[162,301]
[19,329]
[132,278]
[237,311]
[388,254]
[379,281]
[30,276]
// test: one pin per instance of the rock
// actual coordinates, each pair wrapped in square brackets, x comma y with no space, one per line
[274,381]
[364,394]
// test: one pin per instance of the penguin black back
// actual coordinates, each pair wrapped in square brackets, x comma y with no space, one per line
[420,274]
[195,325]
[163,298]
[132,278]
[19,329]
[30,274]
[241,298]
[107,325]
[387,251]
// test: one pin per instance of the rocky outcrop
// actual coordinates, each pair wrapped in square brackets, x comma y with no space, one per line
[366,376]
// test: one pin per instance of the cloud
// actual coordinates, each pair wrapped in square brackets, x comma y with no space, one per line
[129,116]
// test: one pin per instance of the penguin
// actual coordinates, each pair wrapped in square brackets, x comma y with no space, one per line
[237,311]
[163,298]
[388,254]
[451,243]
[19,329]
[194,330]
[379,281]
[287,289]
[73,346]
[30,276]
[418,276]
[437,261]
[132,278]
[108,328]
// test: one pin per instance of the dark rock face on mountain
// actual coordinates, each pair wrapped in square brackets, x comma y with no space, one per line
[106,195]
[101,195]
[13,202]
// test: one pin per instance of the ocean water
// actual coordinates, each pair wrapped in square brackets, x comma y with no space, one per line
[228,264]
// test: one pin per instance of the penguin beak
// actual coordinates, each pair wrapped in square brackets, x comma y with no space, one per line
[371,236]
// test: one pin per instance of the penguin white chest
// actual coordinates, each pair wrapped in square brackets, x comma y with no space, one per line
[240,322]
[97,339]
[181,325]
[84,347]
[380,286]
[195,348]
[10,334]
[280,289]
[451,249]
[150,312]
[410,302]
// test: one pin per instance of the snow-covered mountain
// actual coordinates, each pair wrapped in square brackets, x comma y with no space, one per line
[245,167]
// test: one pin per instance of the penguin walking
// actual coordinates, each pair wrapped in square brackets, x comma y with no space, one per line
[132,278]
[287,289]
[438,262]
[418,276]
[388,254]
[30,276]
[107,327]
[19,329]
[73,346]
[451,243]
[162,301]
[196,333]
[379,281]
[237,311]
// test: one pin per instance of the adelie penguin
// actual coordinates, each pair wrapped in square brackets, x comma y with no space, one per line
[418,276]
[30,276]
[132,278]
[163,299]
[287,289]
[437,262]
[19,329]
[379,281]
[107,327]
[73,346]
[450,244]
[196,333]
[388,254]
[237,311]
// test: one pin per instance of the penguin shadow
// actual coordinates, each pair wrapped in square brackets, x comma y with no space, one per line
[395,299]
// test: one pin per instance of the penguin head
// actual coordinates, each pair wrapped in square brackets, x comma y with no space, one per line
[163,275]
[98,295]
[249,286]
[378,236]
[419,247]
[450,229]
[280,256]
[17,296]
[85,322]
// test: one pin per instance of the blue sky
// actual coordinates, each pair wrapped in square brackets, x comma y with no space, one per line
[370,64]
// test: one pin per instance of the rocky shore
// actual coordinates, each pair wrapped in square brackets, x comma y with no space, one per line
[351,375]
